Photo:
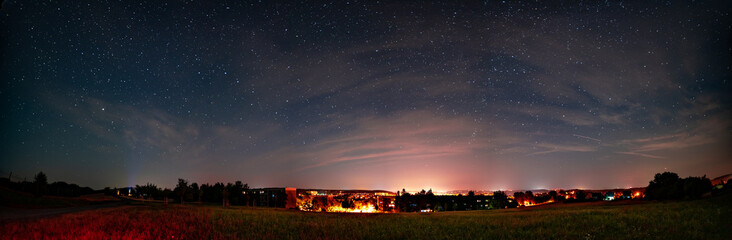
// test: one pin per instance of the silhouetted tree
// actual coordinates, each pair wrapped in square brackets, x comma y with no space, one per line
[553,195]
[431,200]
[166,195]
[694,187]
[225,197]
[236,192]
[529,196]
[181,188]
[199,193]
[215,193]
[500,200]
[470,199]
[41,184]
[207,193]
[668,185]
[149,190]
[664,186]
[580,195]
[193,192]
[420,200]
[518,197]
[403,201]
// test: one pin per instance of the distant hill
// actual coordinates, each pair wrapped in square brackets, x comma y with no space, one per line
[721,179]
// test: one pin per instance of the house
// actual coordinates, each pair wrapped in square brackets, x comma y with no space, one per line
[609,196]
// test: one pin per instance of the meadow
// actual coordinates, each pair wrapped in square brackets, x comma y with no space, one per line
[692,219]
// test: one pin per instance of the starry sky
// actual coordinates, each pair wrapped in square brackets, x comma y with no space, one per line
[366,94]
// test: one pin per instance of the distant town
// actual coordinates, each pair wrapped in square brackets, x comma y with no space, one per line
[664,186]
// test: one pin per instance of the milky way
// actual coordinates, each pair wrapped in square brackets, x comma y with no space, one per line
[372,95]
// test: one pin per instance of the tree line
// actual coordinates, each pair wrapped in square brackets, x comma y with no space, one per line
[40,187]
[236,193]
[668,186]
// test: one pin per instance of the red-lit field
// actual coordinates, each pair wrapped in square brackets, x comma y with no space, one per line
[698,219]
[128,222]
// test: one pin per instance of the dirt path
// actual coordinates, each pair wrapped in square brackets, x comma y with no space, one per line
[15,214]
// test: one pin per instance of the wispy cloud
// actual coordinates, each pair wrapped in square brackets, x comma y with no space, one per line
[586,137]
[132,127]
[554,148]
[707,132]
[642,155]
[411,136]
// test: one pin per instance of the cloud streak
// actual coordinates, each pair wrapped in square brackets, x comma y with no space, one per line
[586,137]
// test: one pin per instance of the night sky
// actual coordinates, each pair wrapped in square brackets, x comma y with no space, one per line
[366,94]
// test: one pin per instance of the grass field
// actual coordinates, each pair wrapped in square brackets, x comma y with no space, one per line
[697,219]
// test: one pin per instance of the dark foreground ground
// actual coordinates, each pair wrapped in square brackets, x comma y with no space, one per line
[693,219]
[16,205]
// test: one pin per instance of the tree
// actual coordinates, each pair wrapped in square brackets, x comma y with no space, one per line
[41,178]
[236,192]
[199,195]
[664,186]
[41,184]
[518,197]
[500,200]
[553,195]
[216,192]
[181,188]
[529,196]
[166,193]
[668,185]
[149,191]
[207,193]
[580,195]
[695,187]
[431,200]
[193,193]
[403,201]
[225,197]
